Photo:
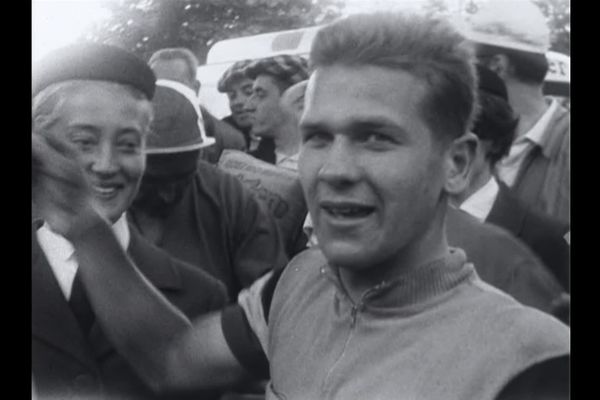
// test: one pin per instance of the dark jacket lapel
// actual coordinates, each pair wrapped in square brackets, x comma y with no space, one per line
[506,212]
[51,318]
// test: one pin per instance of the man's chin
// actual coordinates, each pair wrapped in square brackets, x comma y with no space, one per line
[243,122]
[347,255]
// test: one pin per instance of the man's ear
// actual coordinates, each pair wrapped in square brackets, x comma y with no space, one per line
[197,86]
[500,64]
[461,154]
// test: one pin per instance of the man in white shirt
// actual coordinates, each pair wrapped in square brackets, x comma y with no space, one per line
[513,45]
[492,201]
[94,102]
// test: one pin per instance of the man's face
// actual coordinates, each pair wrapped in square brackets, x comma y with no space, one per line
[264,105]
[166,180]
[239,93]
[107,127]
[370,169]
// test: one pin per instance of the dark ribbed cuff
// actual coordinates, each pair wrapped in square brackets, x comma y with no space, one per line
[243,342]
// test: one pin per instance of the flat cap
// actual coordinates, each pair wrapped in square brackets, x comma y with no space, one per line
[233,73]
[289,68]
[93,61]
[491,83]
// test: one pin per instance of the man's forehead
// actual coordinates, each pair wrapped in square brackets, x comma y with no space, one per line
[240,82]
[265,81]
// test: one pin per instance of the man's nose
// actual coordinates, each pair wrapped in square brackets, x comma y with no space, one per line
[249,105]
[340,164]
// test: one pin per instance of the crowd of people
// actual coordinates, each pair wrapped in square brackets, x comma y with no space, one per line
[430,261]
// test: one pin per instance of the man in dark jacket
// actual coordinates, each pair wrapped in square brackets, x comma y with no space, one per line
[491,200]
[193,210]
[514,45]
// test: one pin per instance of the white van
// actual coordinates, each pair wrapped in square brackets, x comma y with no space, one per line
[298,41]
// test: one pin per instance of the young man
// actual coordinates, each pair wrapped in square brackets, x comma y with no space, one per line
[279,134]
[491,201]
[238,88]
[96,99]
[383,308]
[537,167]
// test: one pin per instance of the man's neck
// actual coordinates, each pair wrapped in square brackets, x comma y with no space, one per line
[529,104]
[287,140]
[430,246]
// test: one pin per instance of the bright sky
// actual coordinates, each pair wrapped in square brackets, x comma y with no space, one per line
[56,23]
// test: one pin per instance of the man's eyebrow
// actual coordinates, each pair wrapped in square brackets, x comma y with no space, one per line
[356,124]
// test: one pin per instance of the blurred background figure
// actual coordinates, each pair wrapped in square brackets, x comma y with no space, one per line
[491,200]
[238,88]
[272,76]
[512,38]
[175,69]
[196,212]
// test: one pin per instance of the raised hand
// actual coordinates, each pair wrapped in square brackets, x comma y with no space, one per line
[60,192]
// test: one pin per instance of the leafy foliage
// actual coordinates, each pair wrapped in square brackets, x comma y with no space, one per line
[144,26]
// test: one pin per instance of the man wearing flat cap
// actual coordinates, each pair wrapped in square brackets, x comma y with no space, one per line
[238,88]
[193,210]
[513,44]
[272,76]
[93,102]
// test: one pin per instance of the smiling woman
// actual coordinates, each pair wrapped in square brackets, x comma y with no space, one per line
[58,23]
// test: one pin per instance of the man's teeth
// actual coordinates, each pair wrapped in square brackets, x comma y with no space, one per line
[348,211]
[104,190]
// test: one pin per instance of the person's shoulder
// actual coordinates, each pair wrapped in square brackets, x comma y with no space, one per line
[211,178]
[465,228]
[312,257]
[306,266]
[547,227]
[170,274]
[529,332]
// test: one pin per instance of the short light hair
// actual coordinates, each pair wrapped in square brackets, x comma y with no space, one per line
[427,48]
[177,53]
[46,104]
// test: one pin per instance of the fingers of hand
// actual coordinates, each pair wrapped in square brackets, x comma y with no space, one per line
[55,161]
